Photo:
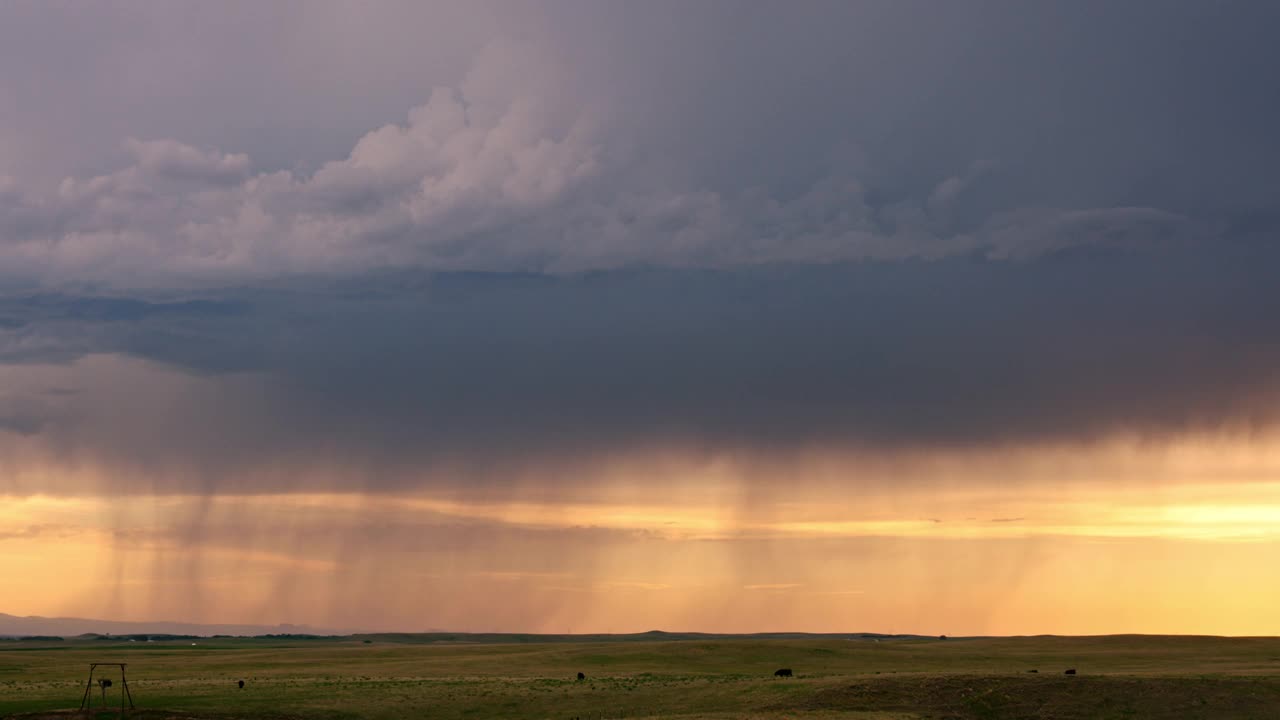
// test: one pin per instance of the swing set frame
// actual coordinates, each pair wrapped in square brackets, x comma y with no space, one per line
[86,701]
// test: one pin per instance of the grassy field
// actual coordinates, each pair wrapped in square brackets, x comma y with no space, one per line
[703,679]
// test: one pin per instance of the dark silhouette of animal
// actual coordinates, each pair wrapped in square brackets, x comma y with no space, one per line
[240,683]
[782,672]
[1070,671]
[105,683]
[581,676]
[1034,671]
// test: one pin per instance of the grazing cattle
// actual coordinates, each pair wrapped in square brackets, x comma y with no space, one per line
[782,672]
[1070,671]
[105,683]
[581,676]
[1034,671]
[240,683]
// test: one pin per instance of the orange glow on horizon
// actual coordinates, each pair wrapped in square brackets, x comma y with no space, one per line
[960,555]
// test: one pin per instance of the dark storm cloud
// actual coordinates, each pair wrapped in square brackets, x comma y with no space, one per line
[401,369]
[568,228]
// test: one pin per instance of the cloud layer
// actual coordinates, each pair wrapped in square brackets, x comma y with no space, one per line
[403,371]
[605,136]
[479,184]
[582,228]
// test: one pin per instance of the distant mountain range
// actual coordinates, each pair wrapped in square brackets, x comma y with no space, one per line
[15,626]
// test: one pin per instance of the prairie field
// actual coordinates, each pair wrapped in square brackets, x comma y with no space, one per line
[653,676]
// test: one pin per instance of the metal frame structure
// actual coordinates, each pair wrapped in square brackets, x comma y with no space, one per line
[86,702]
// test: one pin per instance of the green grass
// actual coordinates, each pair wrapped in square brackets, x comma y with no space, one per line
[694,679]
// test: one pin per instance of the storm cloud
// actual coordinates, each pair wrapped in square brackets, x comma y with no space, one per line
[404,370]
[570,229]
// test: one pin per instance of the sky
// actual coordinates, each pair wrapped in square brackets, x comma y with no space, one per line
[598,316]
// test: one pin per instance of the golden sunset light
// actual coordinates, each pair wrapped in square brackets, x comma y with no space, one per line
[1061,546]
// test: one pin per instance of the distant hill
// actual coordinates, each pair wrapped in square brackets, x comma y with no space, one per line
[15,626]
[435,636]
[12,626]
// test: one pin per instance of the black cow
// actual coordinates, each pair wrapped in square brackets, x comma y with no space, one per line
[581,676]
[1070,671]
[105,683]
[240,683]
[782,672]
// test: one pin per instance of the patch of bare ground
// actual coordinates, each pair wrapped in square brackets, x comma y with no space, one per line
[1014,697]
